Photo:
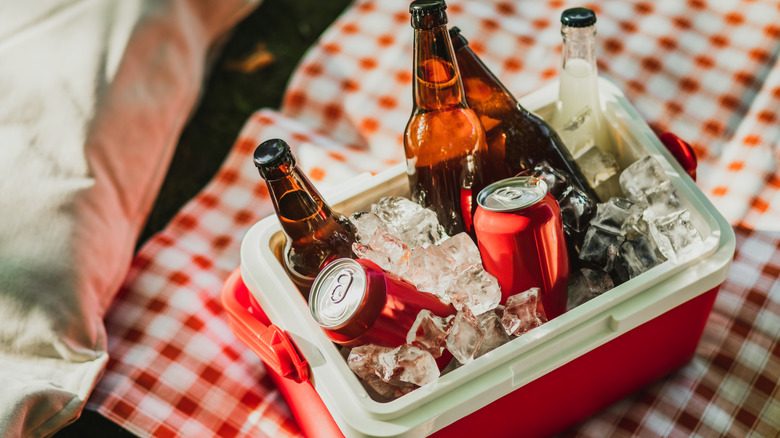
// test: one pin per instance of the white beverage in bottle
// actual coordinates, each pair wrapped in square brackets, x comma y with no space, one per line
[578,88]
[578,118]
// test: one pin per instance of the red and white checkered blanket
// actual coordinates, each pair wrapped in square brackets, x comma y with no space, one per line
[707,71]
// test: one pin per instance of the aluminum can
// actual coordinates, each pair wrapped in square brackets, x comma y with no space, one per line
[356,303]
[520,238]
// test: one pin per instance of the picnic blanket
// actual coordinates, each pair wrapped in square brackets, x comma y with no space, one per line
[707,71]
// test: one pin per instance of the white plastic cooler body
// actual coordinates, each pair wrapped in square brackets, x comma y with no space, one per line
[523,360]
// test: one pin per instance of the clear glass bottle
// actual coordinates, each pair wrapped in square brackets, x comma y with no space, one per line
[442,132]
[578,79]
[579,117]
[316,234]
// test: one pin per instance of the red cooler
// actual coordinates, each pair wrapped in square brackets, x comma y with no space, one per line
[538,384]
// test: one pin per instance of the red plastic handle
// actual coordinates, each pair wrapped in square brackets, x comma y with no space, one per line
[252,326]
[682,152]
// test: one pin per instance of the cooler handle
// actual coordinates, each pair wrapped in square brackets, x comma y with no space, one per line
[681,151]
[269,342]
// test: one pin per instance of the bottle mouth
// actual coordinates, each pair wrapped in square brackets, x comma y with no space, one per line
[270,155]
[578,17]
[458,40]
[428,14]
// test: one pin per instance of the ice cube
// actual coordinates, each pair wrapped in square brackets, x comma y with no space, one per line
[462,251]
[642,177]
[429,270]
[364,252]
[557,181]
[494,334]
[365,224]
[395,211]
[421,228]
[465,336]
[635,225]
[578,132]
[636,256]
[404,219]
[522,312]
[597,165]
[577,209]
[364,362]
[664,201]
[601,171]
[612,215]
[676,237]
[475,289]
[408,364]
[396,252]
[429,332]
[599,248]
[586,284]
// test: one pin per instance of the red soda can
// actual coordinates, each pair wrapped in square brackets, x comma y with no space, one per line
[520,237]
[356,303]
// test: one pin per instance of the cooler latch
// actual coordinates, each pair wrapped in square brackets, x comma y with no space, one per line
[252,326]
[282,356]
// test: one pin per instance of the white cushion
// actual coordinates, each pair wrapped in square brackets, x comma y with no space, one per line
[93,97]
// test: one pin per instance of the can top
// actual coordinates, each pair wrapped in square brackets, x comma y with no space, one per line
[512,194]
[337,293]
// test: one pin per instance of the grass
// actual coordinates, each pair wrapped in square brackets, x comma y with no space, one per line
[287,29]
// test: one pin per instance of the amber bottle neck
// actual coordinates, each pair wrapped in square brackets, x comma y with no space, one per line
[479,82]
[436,81]
[297,202]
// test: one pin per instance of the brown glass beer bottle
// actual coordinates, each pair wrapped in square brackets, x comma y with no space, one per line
[316,235]
[517,139]
[444,142]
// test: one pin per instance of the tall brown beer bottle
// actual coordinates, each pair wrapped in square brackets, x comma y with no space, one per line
[518,140]
[316,235]
[444,141]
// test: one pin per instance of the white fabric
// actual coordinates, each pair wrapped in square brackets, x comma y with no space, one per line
[93,97]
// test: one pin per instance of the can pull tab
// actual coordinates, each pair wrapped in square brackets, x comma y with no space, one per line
[681,151]
[253,328]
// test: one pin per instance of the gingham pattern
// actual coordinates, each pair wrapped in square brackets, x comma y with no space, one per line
[705,71]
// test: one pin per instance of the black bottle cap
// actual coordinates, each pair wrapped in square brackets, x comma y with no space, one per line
[578,17]
[270,155]
[427,14]
[458,40]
